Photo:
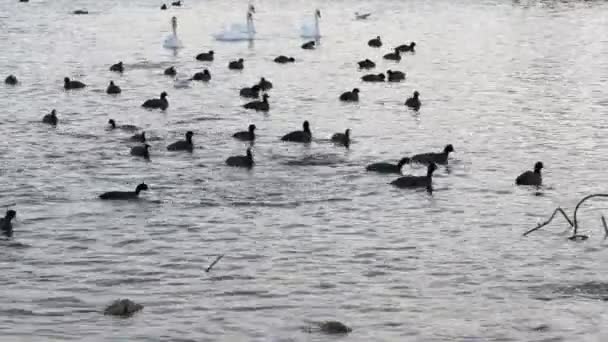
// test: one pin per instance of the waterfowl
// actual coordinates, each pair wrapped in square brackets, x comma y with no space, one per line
[366,64]
[236,65]
[342,138]
[80,12]
[373,78]
[118,67]
[170,71]
[406,47]
[437,158]
[161,103]
[176,3]
[11,80]
[69,84]
[309,45]
[376,42]
[284,59]
[241,161]
[531,177]
[5,223]
[51,118]
[334,328]
[141,137]
[264,84]
[163,7]
[393,56]
[183,145]
[303,136]
[253,92]
[128,128]
[113,88]
[362,16]
[395,76]
[261,106]
[417,181]
[205,56]
[124,195]
[388,167]
[203,76]
[350,96]
[248,135]
[141,151]
[414,101]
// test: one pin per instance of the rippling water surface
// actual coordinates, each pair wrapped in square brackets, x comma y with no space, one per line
[307,235]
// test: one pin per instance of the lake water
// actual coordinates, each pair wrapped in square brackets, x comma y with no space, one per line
[307,234]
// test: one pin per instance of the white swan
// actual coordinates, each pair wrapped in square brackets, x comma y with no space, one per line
[238,32]
[312,31]
[172,41]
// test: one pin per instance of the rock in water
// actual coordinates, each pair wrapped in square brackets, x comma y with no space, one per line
[122,307]
[334,327]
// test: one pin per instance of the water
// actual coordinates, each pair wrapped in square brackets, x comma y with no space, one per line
[307,235]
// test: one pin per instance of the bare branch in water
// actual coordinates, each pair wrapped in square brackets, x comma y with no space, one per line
[540,225]
[214,262]
[605,227]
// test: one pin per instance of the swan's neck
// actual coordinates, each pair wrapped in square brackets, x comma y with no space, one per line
[317,25]
[250,27]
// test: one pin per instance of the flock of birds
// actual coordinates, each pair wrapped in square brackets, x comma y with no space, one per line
[431,159]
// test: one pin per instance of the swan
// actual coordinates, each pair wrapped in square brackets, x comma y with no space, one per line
[238,32]
[308,31]
[172,41]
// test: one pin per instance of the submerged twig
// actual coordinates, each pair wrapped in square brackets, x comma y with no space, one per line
[214,262]
[540,225]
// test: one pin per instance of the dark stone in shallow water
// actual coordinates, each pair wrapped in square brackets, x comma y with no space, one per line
[334,327]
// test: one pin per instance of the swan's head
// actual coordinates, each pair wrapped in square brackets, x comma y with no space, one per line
[251,8]
[318,13]
[174,23]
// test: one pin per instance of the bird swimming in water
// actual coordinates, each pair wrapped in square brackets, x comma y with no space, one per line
[531,177]
[262,106]
[203,76]
[303,136]
[141,151]
[161,103]
[124,195]
[118,67]
[406,47]
[376,42]
[366,64]
[241,161]
[350,96]
[342,138]
[141,137]
[437,158]
[69,84]
[362,16]
[309,45]
[236,65]
[388,167]
[373,78]
[176,3]
[113,89]
[205,56]
[11,80]
[395,76]
[128,128]
[417,181]
[253,92]
[80,12]
[163,7]
[183,145]
[51,118]
[284,59]
[170,71]
[393,56]
[414,101]
[264,84]
[248,135]
[5,223]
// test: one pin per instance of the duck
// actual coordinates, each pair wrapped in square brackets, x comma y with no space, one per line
[163,7]
[406,47]
[141,151]
[183,145]
[176,3]
[362,16]
[395,76]
[373,78]
[203,76]
[118,67]
[5,223]
[303,136]
[236,65]
[139,137]
[113,89]
[431,157]
[309,45]
[261,106]
[161,103]
[393,56]
[241,161]
[531,177]
[51,118]
[350,96]
[253,92]
[388,167]
[264,84]
[205,56]
[170,71]
[284,59]
[80,12]
[124,195]
[414,101]
[366,64]
[11,80]
[342,138]
[69,84]
[417,181]
[128,128]
[248,135]
[376,42]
